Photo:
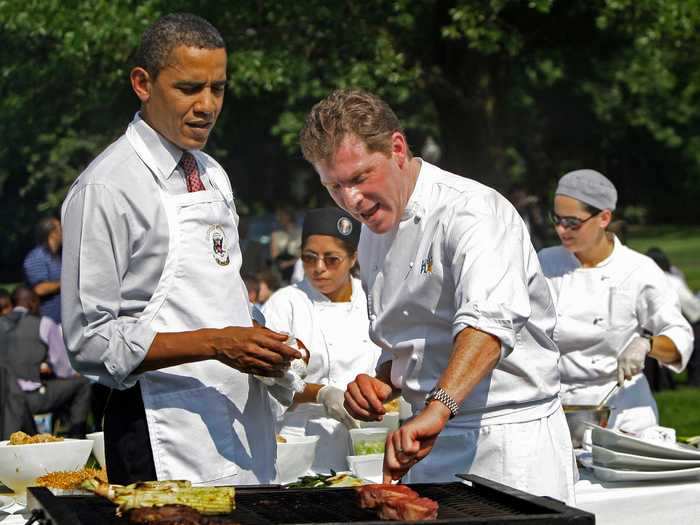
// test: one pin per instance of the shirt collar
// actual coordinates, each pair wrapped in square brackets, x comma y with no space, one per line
[617,246]
[415,209]
[164,153]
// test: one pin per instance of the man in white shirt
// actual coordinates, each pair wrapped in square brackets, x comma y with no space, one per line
[153,301]
[456,301]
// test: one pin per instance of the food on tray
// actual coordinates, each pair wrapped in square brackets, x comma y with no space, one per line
[362,448]
[20,438]
[281,439]
[207,500]
[397,502]
[70,479]
[325,480]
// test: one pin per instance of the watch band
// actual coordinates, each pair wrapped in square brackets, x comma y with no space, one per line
[438,394]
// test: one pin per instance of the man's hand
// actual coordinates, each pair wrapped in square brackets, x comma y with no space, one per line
[365,397]
[413,440]
[332,397]
[255,350]
[631,361]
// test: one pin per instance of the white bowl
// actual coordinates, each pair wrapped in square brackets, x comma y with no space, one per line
[390,421]
[295,457]
[20,465]
[98,447]
[368,440]
[367,467]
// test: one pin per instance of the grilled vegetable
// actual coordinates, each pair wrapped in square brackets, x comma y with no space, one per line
[326,480]
[207,500]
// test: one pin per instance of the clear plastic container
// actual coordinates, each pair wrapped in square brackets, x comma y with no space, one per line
[368,440]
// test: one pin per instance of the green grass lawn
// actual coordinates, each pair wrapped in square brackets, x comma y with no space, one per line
[680,409]
[681,244]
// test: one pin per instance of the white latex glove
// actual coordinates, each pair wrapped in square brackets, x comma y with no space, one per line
[631,361]
[333,398]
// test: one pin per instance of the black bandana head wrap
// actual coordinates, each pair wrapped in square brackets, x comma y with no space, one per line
[331,221]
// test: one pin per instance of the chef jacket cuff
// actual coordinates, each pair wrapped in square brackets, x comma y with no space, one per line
[126,352]
[684,343]
[500,328]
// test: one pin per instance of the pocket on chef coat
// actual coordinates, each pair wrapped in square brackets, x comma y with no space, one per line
[192,435]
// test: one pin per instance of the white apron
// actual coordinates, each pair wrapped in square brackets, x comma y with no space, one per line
[595,323]
[348,352]
[208,423]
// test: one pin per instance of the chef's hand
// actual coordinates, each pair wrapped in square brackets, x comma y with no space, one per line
[631,361]
[413,440]
[332,398]
[365,397]
[255,350]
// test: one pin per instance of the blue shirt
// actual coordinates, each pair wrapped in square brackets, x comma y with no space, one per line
[41,265]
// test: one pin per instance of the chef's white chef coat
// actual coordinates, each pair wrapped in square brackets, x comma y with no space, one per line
[461,257]
[337,336]
[600,310]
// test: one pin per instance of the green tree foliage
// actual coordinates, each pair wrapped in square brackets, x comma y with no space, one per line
[511,90]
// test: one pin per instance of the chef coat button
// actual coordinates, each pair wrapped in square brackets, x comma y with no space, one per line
[405,312]
[373,316]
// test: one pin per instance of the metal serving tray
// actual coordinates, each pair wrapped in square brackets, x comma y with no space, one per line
[476,501]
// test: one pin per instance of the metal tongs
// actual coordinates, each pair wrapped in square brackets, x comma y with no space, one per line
[607,396]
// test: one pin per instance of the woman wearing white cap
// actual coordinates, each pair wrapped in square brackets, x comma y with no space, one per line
[614,306]
[327,311]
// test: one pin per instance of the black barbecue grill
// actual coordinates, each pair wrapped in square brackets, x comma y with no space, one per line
[478,501]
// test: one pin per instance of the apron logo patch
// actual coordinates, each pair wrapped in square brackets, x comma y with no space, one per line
[219,246]
[426,265]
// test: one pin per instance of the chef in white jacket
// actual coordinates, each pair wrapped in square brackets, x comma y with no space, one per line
[327,312]
[615,307]
[457,302]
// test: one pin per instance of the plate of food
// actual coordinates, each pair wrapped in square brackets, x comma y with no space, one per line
[622,442]
[622,460]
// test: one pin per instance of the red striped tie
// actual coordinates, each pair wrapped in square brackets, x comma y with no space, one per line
[189,164]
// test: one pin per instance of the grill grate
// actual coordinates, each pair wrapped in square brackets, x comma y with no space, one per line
[480,503]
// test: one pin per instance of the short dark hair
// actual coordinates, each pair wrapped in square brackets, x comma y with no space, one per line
[44,228]
[22,295]
[591,209]
[171,31]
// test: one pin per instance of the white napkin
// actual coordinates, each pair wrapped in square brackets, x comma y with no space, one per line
[293,378]
[657,434]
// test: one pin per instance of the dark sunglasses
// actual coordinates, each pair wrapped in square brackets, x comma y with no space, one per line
[569,223]
[331,262]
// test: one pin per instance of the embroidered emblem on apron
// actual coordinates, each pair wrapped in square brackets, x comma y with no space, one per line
[219,246]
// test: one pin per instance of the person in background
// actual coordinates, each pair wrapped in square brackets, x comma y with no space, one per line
[690,307]
[153,301]
[5,302]
[256,255]
[456,301]
[269,284]
[42,267]
[252,285]
[285,243]
[529,208]
[614,305]
[34,365]
[327,312]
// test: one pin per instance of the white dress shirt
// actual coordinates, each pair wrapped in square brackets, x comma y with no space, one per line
[114,249]
[462,257]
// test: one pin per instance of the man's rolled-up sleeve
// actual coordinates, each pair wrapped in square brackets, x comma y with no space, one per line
[488,268]
[102,344]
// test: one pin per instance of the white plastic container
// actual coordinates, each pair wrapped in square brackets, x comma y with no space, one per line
[368,440]
[390,422]
[367,467]
[98,447]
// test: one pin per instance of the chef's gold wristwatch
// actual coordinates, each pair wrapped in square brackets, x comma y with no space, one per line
[438,394]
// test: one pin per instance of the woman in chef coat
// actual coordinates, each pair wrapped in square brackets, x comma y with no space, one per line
[614,306]
[327,312]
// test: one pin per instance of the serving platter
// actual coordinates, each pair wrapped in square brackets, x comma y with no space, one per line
[621,442]
[624,461]
[609,474]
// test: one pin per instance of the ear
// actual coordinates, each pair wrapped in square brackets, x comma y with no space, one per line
[399,148]
[141,83]
[605,218]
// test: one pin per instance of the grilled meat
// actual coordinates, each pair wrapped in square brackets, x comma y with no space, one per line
[397,502]
[174,515]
